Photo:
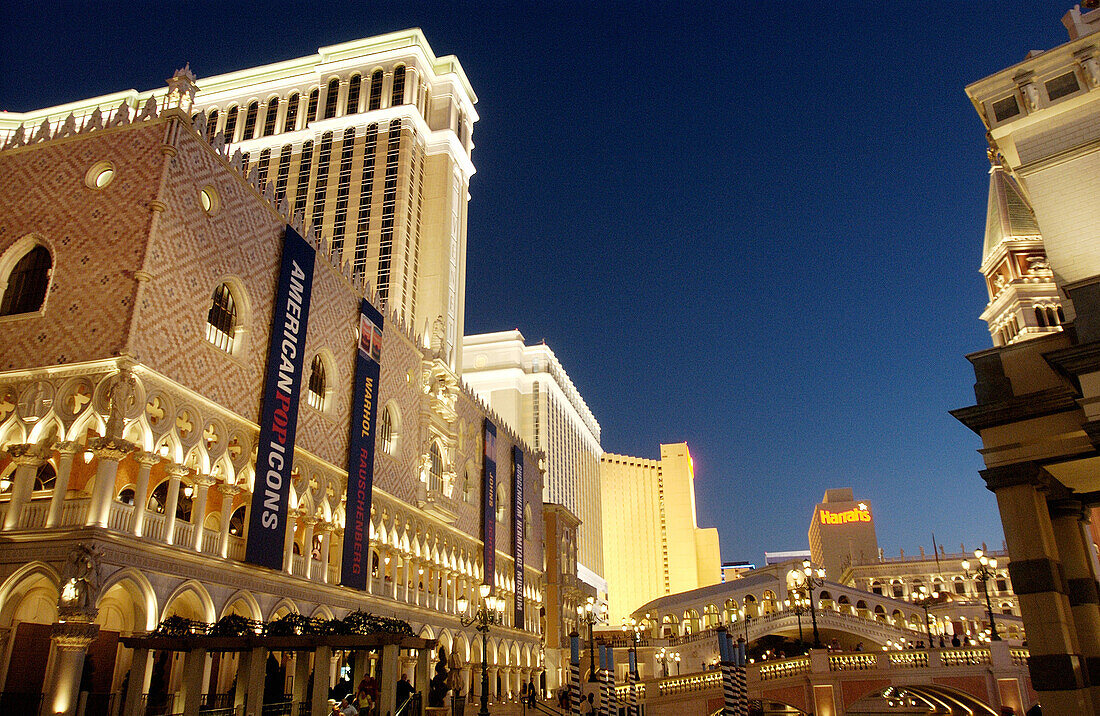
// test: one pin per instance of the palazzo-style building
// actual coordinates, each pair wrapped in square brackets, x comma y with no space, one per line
[139,264]
[1037,393]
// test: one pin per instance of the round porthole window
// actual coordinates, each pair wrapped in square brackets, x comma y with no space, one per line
[210,201]
[100,175]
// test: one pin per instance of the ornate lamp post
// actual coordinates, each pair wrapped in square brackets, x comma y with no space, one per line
[588,613]
[488,613]
[676,658]
[799,605]
[987,569]
[632,626]
[811,579]
[662,655]
[924,601]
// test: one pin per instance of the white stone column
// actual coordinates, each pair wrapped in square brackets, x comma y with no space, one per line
[326,547]
[146,461]
[198,509]
[308,522]
[175,475]
[228,493]
[70,644]
[194,670]
[288,540]
[27,459]
[66,452]
[109,452]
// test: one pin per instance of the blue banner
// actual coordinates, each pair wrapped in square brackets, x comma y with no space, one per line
[489,503]
[355,566]
[517,530]
[279,413]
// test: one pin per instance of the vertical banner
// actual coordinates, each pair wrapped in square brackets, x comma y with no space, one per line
[489,503]
[355,567]
[279,411]
[517,530]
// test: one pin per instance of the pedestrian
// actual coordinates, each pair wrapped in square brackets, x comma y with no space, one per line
[859,646]
[347,708]
[588,708]
[404,690]
[955,641]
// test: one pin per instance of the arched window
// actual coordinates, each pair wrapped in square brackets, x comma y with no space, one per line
[291,113]
[468,485]
[351,106]
[1041,317]
[1051,319]
[126,495]
[45,477]
[385,431]
[158,501]
[398,95]
[435,469]
[27,283]
[271,116]
[212,125]
[316,395]
[1061,315]
[236,522]
[250,121]
[311,109]
[231,125]
[221,321]
[264,163]
[375,90]
[332,97]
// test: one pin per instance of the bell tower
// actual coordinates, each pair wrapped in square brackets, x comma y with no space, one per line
[1023,299]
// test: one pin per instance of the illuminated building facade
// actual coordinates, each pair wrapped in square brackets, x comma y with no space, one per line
[1037,402]
[527,385]
[842,532]
[652,542]
[138,259]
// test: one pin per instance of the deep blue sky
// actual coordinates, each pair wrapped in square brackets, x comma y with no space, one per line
[754,227]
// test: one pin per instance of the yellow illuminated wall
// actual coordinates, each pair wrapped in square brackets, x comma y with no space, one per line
[652,544]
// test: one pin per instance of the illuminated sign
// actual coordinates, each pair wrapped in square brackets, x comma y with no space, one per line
[856,514]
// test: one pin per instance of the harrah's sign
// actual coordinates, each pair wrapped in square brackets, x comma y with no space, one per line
[842,518]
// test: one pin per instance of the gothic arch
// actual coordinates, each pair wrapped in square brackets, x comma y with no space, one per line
[141,592]
[252,607]
[191,597]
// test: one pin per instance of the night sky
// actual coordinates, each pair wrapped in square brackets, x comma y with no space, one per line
[755,229]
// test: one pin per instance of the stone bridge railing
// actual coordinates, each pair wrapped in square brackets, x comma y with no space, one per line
[829,682]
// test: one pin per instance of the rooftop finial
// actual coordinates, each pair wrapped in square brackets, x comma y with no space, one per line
[181,89]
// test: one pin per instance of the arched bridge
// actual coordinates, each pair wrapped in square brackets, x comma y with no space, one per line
[985,681]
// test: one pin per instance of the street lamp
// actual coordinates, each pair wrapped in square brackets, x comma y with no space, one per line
[588,613]
[676,658]
[924,601]
[632,626]
[799,605]
[662,654]
[489,612]
[987,569]
[810,579]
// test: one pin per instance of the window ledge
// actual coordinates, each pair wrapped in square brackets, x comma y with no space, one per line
[23,316]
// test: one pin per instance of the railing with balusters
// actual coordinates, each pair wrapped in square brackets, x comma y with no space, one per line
[119,515]
[852,662]
[909,659]
[782,669]
[965,657]
[34,514]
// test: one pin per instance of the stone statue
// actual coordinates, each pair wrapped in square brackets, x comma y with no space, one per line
[120,398]
[439,685]
[80,582]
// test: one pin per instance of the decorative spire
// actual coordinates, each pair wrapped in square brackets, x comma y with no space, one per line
[181,90]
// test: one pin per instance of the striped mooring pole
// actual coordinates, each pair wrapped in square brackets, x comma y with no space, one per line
[729,684]
[575,673]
